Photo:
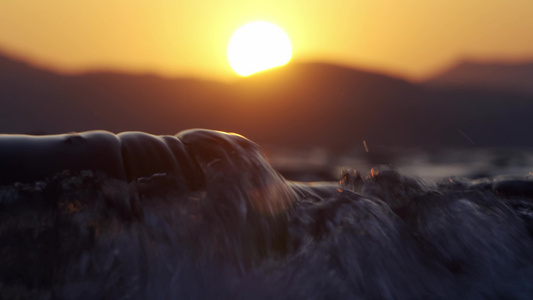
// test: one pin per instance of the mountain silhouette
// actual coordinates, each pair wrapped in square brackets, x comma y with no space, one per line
[492,76]
[298,105]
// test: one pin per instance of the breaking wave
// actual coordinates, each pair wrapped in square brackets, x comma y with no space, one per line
[244,232]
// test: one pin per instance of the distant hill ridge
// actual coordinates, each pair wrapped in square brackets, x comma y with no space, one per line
[517,77]
[299,105]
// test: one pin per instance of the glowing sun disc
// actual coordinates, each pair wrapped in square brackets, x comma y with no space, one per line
[258,46]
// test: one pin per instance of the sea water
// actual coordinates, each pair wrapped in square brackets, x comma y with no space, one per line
[248,233]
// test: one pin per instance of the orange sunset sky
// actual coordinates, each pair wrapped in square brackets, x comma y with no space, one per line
[411,38]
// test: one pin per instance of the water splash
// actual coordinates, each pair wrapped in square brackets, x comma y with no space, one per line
[227,226]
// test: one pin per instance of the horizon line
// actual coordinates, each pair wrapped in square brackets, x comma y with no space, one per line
[102,69]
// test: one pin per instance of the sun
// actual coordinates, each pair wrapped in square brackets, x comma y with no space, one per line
[258,46]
